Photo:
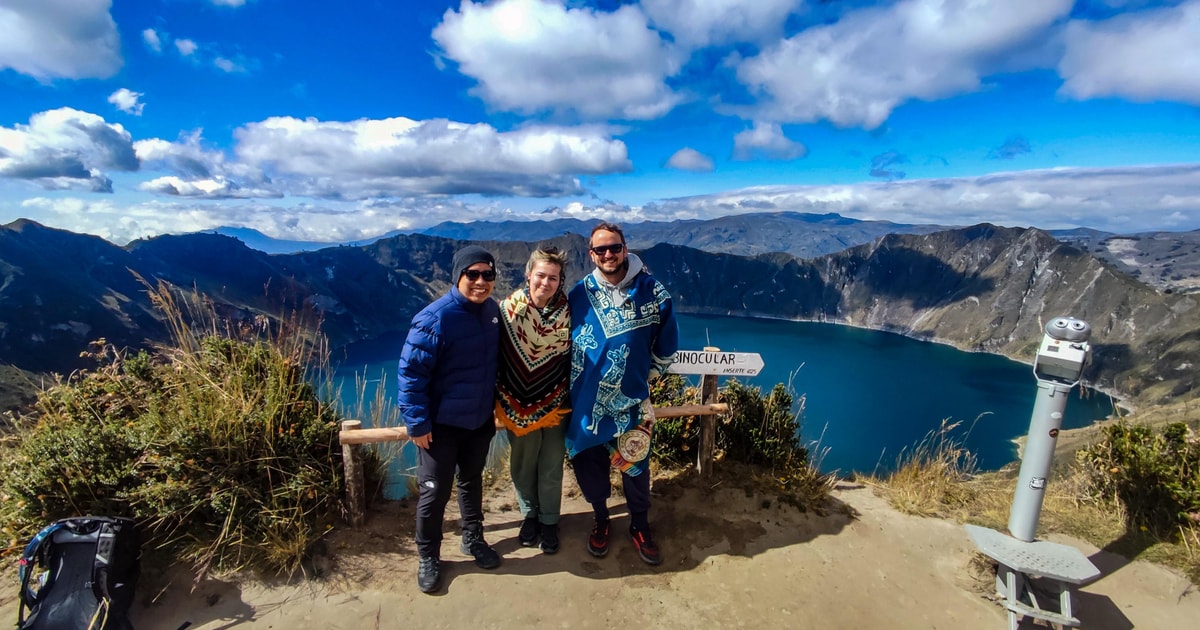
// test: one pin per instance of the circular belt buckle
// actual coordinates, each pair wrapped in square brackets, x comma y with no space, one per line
[634,444]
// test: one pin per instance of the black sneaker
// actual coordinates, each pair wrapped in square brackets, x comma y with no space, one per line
[429,574]
[528,536]
[598,541]
[473,545]
[646,547]
[550,539]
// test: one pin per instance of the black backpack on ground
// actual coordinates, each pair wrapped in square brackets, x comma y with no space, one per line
[80,574]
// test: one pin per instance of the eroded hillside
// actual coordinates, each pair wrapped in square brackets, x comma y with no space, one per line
[982,288]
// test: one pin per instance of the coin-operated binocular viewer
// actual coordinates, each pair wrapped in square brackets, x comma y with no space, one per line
[1036,578]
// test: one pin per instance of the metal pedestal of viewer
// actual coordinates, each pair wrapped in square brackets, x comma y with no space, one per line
[1038,578]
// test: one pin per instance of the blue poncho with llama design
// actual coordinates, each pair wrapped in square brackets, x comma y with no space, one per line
[622,336]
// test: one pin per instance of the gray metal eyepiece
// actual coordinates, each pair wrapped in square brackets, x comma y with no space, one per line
[1068,329]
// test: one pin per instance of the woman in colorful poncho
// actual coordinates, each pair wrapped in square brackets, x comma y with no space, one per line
[532,388]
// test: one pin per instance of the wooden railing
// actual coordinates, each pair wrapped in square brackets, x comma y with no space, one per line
[353,436]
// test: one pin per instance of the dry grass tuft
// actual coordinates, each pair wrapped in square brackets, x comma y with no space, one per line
[217,444]
[929,477]
[937,478]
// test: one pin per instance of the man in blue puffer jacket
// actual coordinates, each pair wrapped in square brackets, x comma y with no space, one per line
[447,378]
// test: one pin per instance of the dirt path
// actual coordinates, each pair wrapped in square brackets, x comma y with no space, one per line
[733,559]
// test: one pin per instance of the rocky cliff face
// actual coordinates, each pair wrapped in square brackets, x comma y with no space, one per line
[59,290]
[981,288]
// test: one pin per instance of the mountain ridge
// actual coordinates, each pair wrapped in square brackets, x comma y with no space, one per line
[1166,260]
[802,234]
[981,288]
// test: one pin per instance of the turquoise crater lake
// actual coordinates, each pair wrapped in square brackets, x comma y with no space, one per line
[869,394]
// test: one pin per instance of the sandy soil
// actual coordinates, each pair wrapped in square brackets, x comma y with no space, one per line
[734,558]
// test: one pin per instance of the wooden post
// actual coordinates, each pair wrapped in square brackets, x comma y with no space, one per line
[708,422]
[373,436]
[352,461]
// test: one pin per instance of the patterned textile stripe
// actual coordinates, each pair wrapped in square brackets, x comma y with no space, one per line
[532,381]
[632,469]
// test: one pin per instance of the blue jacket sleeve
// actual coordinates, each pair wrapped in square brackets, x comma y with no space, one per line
[414,375]
[666,341]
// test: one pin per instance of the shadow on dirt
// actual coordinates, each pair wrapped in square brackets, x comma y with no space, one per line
[693,519]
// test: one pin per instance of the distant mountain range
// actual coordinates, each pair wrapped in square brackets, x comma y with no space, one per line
[981,288]
[803,235]
[1166,260]
[800,234]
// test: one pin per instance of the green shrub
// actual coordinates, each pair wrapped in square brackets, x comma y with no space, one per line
[675,439]
[1156,476]
[761,430]
[219,447]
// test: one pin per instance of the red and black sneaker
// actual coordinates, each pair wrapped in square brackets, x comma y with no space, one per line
[598,541]
[646,546]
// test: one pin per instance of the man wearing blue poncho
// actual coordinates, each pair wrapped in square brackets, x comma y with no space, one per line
[623,333]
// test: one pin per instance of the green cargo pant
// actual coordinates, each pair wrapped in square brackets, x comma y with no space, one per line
[536,464]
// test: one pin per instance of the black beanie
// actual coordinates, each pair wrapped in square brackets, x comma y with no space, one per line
[468,256]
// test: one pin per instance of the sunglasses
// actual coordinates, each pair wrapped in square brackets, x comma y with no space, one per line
[474,274]
[601,250]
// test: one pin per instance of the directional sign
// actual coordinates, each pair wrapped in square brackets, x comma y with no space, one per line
[719,363]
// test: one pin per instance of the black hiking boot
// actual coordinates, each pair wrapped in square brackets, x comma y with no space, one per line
[550,538]
[429,574]
[528,536]
[473,545]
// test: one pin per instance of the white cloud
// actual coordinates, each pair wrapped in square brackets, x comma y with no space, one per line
[689,159]
[182,157]
[199,172]
[856,71]
[152,40]
[400,156]
[127,101]
[208,188]
[228,3]
[51,39]
[228,65]
[362,159]
[1144,56]
[205,54]
[121,223]
[1124,200]
[536,55]
[766,140]
[186,47]
[324,222]
[66,148]
[700,23]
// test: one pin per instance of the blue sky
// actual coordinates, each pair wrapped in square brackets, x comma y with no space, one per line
[322,121]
